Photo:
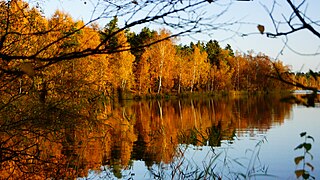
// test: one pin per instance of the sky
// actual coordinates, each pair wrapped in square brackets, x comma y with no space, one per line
[250,14]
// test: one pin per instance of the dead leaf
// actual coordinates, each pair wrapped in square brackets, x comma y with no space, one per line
[260,28]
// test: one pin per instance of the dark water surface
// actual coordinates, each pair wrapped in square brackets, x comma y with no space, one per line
[169,139]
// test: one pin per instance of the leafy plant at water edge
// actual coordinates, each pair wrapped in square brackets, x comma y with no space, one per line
[304,173]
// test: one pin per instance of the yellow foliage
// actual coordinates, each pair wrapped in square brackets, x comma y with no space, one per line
[161,60]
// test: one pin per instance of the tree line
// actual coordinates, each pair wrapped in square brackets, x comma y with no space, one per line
[40,56]
[164,67]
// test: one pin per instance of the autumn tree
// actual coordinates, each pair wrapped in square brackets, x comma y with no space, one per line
[198,66]
[240,78]
[221,61]
[120,63]
[140,66]
[139,40]
[182,69]
[161,58]
[23,27]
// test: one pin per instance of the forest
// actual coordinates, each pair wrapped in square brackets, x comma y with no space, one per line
[39,56]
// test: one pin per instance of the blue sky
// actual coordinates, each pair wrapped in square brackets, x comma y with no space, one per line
[250,14]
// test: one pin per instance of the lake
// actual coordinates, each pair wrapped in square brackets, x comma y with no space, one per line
[206,138]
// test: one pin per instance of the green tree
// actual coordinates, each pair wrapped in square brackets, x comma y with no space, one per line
[213,49]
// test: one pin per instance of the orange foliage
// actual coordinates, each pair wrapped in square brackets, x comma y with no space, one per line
[159,59]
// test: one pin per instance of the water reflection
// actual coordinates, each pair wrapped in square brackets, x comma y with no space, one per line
[63,145]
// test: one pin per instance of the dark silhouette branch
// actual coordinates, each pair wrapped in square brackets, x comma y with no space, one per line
[296,15]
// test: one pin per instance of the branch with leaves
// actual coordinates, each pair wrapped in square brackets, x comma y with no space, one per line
[306,147]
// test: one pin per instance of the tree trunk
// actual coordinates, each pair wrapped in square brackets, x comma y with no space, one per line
[179,84]
[160,81]
[193,78]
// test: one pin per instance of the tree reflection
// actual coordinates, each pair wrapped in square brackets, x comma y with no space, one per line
[50,142]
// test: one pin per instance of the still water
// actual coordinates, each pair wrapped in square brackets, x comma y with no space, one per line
[241,138]
[205,138]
